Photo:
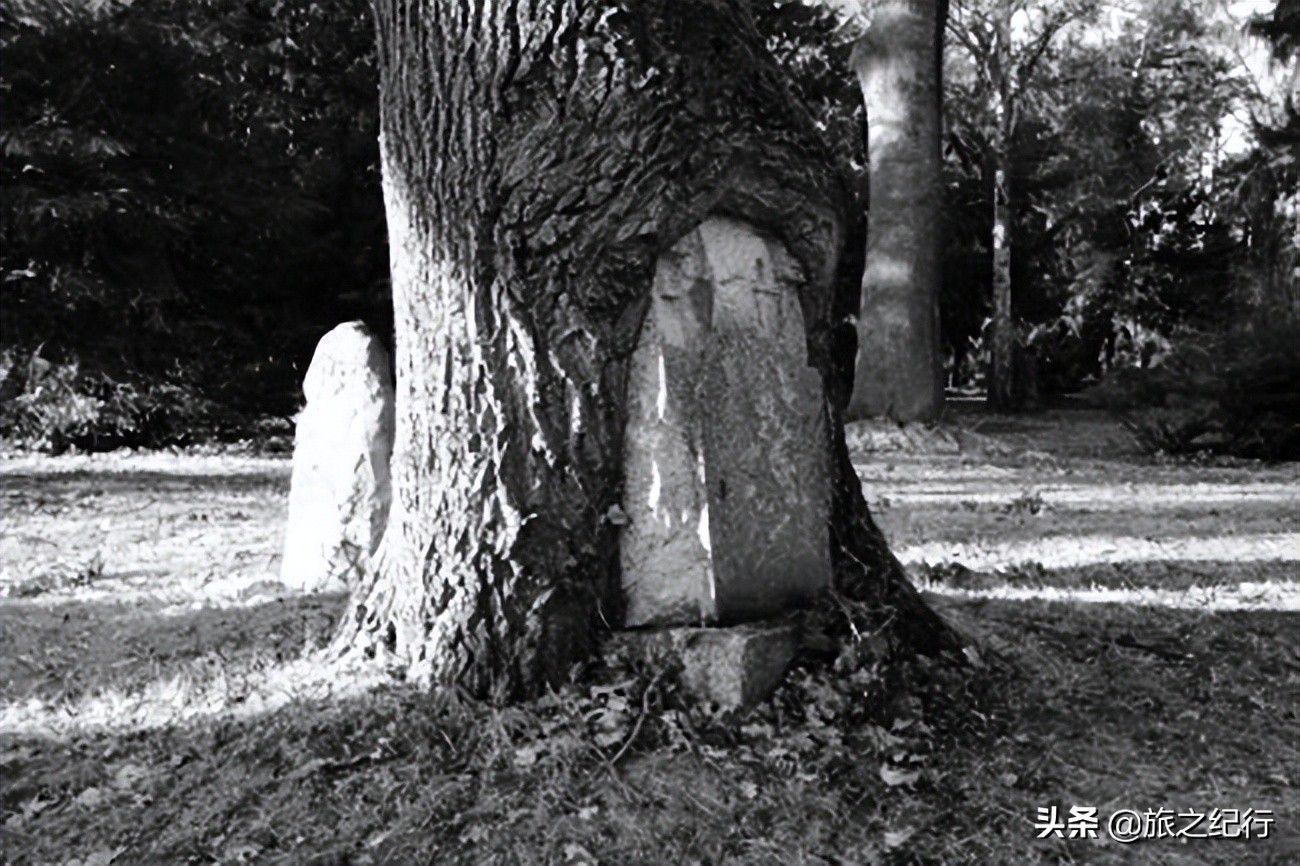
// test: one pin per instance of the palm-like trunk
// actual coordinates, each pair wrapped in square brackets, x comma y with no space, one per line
[538,158]
[898,64]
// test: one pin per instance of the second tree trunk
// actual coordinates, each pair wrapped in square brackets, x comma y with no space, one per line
[897,373]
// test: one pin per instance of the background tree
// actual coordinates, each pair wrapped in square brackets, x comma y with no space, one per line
[1007,42]
[899,63]
[1269,174]
[537,161]
[1115,237]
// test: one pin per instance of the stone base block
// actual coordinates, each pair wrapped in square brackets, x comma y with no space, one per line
[733,667]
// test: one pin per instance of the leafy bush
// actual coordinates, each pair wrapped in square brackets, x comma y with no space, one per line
[155,255]
[1237,393]
[54,406]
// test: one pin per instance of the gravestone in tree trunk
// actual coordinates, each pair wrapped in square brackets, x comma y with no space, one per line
[542,161]
[726,462]
[898,63]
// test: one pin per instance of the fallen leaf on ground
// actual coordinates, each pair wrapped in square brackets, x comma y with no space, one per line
[91,797]
[894,778]
[896,838]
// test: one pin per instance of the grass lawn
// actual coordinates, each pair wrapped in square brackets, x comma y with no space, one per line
[164,700]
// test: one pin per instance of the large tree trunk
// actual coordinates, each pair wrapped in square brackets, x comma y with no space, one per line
[898,63]
[538,158]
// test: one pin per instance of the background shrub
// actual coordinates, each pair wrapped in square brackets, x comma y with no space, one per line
[1236,393]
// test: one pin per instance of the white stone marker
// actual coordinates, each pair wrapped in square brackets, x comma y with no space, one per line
[726,454]
[339,493]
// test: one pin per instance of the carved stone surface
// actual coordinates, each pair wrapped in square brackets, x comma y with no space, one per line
[726,456]
[340,493]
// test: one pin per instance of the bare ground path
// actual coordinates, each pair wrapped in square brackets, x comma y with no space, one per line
[1144,614]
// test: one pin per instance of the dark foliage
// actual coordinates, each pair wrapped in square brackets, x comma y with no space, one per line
[190,199]
[1282,28]
[1235,394]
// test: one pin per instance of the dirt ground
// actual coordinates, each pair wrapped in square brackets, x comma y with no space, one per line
[1142,614]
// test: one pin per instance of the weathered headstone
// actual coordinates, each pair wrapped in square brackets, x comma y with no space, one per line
[339,493]
[726,457]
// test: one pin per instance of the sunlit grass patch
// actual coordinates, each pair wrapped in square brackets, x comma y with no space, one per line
[1066,551]
[208,687]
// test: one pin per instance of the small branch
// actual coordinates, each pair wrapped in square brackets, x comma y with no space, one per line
[640,720]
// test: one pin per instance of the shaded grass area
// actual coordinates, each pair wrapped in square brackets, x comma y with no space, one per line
[1103,705]
[1168,575]
[1013,520]
[1119,707]
[68,649]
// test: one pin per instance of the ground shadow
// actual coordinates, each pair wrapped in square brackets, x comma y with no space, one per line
[1120,706]
[82,483]
[1107,705]
[65,650]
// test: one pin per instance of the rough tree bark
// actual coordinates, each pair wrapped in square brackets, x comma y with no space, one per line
[538,157]
[899,66]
